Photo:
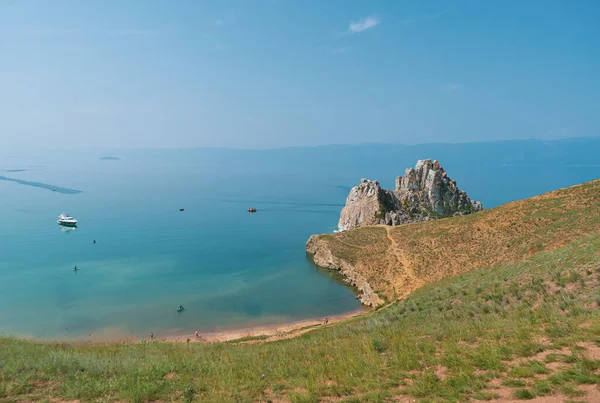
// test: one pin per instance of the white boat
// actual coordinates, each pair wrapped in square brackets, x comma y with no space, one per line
[66,220]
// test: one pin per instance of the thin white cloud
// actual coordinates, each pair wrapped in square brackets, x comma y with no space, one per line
[451,87]
[217,23]
[363,25]
[219,47]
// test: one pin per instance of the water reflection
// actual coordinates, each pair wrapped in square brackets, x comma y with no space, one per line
[67,229]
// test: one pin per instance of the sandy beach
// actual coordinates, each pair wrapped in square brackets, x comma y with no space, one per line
[262,333]
[256,334]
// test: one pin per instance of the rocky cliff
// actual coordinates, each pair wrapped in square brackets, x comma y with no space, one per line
[389,262]
[424,192]
[324,257]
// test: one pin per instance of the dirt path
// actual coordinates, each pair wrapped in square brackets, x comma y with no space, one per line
[411,282]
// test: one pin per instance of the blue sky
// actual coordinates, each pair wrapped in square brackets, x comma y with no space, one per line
[273,73]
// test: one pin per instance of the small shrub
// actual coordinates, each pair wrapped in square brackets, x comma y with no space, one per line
[524,394]
[514,383]
[380,344]
[188,394]
[571,391]
[542,388]
[573,276]
[521,372]
[537,367]
[485,396]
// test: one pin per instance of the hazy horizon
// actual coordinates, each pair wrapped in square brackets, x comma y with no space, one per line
[365,144]
[275,74]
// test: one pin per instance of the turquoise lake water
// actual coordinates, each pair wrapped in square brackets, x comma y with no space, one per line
[227,267]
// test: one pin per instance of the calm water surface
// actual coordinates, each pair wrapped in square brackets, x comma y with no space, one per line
[227,267]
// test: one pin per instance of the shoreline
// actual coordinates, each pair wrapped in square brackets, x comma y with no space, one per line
[323,257]
[274,332]
[260,333]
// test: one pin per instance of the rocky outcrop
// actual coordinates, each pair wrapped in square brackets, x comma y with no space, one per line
[323,257]
[428,189]
[423,193]
[370,204]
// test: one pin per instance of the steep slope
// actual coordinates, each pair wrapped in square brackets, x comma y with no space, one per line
[396,260]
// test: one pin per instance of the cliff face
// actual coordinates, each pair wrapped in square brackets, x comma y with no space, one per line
[370,204]
[423,193]
[324,257]
[428,189]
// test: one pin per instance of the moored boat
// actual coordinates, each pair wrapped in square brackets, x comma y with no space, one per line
[66,220]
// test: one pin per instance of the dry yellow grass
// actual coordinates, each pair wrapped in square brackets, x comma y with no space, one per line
[397,260]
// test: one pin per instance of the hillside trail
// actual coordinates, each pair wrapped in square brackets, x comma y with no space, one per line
[412,282]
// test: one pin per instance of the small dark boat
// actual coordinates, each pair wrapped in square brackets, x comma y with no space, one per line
[252,210]
[180,209]
[180,308]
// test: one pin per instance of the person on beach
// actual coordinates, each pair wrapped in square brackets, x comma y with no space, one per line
[326,321]
[151,336]
[197,333]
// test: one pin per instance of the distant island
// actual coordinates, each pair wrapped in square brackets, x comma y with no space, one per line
[110,158]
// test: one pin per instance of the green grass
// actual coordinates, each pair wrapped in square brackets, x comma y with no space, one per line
[249,338]
[438,345]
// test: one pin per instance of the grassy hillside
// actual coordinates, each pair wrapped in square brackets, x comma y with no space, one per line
[396,260]
[515,331]
[518,330]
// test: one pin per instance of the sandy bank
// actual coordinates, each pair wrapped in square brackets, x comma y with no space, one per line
[255,334]
[263,333]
